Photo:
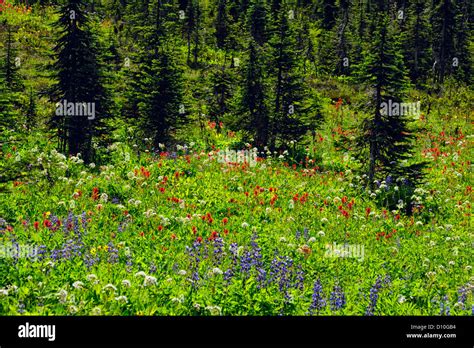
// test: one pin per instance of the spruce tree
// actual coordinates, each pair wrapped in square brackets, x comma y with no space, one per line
[79,81]
[385,141]
[193,22]
[222,23]
[11,63]
[443,27]
[11,83]
[417,42]
[288,85]
[462,60]
[342,42]
[257,21]
[156,96]
[253,110]
[221,81]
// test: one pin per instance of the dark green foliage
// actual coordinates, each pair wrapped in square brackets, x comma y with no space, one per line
[156,96]
[253,109]
[79,80]
[385,141]
[417,39]
[288,85]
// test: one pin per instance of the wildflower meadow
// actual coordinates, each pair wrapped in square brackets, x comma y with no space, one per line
[222,159]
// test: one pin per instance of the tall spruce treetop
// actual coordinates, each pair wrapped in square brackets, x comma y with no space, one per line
[254,112]
[443,23]
[288,87]
[10,83]
[156,94]
[385,134]
[82,101]
[257,21]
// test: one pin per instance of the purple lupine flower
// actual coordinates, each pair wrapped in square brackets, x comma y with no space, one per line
[299,283]
[41,252]
[194,254]
[113,253]
[337,298]
[218,250]
[152,268]
[54,254]
[68,223]
[374,295]
[462,297]
[444,306]
[233,251]
[21,308]
[228,274]
[256,252]
[298,235]
[115,200]
[274,269]
[16,249]
[284,282]
[261,277]
[318,302]
[246,263]
[90,261]
[33,254]
[129,263]
[205,252]
[77,232]
[54,223]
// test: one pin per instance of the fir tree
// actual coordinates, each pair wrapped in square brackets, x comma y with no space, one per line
[79,81]
[288,85]
[257,21]
[156,97]
[443,24]
[417,46]
[254,112]
[386,141]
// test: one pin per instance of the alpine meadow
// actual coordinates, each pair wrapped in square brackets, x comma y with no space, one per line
[236,158]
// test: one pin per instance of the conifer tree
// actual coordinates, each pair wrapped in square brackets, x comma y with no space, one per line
[156,97]
[385,141]
[417,40]
[79,81]
[443,24]
[222,23]
[10,83]
[288,85]
[193,22]
[257,21]
[253,110]
[462,60]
